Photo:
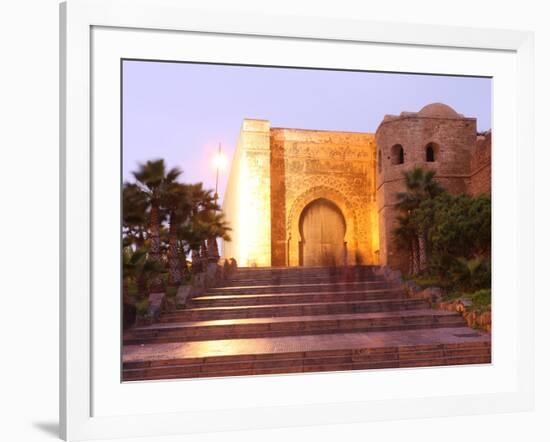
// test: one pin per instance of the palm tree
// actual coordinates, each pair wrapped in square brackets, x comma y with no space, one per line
[214,225]
[170,219]
[130,258]
[202,201]
[134,207]
[130,263]
[210,223]
[151,179]
[420,185]
[177,202]
[407,239]
[200,224]
[148,272]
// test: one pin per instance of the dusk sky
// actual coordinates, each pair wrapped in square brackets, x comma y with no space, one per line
[180,111]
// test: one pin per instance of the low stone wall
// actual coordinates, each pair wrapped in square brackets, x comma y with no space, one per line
[214,274]
[157,303]
[183,294]
[479,320]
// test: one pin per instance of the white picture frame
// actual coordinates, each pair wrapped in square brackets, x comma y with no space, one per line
[80,376]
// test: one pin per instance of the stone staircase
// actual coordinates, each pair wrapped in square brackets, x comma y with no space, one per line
[288,320]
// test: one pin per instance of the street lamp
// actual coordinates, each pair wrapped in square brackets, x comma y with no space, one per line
[220,161]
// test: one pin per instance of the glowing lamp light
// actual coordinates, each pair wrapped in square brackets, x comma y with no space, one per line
[220,161]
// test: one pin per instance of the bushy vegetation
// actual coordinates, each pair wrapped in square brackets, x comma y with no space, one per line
[164,221]
[448,237]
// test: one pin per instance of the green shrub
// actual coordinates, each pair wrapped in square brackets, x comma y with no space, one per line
[425,280]
[470,274]
[481,300]
[142,306]
[460,225]
[456,233]
[171,292]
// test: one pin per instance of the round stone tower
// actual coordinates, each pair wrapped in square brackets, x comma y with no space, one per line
[435,138]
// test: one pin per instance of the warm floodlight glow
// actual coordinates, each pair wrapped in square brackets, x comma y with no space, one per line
[220,161]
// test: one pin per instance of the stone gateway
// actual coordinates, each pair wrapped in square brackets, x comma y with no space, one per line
[315,198]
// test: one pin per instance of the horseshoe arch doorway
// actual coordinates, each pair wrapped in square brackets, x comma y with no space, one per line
[322,231]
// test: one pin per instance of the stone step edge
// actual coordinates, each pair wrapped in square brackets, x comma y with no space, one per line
[217,335]
[359,365]
[357,353]
[302,304]
[304,268]
[392,315]
[217,296]
[235,287]
[309,279]
[280,311]
[335,323]
[292,300]
[323,360]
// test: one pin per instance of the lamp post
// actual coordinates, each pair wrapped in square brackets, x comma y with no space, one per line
[219,162]
[218,166]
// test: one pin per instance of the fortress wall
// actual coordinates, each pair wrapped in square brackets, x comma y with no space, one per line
[230,207]
[279,236]
[308,164]
[454,139]
[480,166]
[276,172]
[246,204]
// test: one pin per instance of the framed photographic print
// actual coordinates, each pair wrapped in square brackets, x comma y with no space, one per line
[326,221]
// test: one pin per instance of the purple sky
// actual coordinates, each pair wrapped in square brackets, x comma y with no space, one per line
[180,111]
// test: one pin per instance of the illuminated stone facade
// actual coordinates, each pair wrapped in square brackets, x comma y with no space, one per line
[282,179]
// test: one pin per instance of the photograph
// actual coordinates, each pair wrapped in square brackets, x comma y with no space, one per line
[266,221]
[282,220]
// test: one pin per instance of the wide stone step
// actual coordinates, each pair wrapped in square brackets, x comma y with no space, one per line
[300,366]
[306,309]
[299,288]
[238,350]
[310,269]
[295,320]
[285,280]
[320,274]
[219,300]
[356,351]
[292,326]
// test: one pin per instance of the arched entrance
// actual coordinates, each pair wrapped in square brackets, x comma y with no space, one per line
[297,208]
[322,232]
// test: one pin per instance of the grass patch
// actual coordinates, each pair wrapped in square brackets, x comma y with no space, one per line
[481,300]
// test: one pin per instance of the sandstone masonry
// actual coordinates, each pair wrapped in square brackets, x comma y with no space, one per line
[278,174]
